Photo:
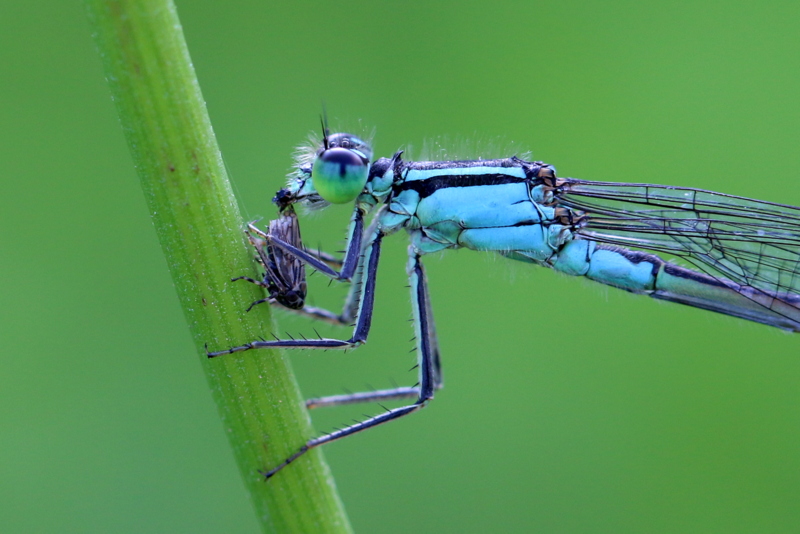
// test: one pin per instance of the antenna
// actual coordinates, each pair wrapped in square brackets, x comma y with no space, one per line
[323,119]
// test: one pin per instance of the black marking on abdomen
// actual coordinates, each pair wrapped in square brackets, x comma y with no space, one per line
[636,257]
[688,274]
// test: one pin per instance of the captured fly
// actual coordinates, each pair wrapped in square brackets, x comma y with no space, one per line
[284,275]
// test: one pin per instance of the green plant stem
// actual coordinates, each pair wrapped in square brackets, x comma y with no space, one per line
[199,225]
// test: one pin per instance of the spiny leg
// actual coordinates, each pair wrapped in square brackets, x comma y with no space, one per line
[324,262]
[366,396]
[319,254]
[415,269]
[369,261]
[351,258]
[433,340]
[322,256]
[351,303]
[312,312]
[349,309]
[429,374]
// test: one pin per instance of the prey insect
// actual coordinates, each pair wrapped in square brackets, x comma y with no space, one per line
[284,275]
[742,254]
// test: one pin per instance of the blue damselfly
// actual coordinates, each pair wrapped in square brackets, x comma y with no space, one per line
[743,253]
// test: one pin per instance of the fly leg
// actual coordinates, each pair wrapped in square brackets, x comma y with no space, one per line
[315,313]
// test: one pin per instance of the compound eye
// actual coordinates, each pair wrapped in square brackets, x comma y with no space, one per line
[339,175]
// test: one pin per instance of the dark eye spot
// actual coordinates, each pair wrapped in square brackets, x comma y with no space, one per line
[342,157]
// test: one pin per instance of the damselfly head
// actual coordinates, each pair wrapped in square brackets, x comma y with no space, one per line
[330,170]
[341,168]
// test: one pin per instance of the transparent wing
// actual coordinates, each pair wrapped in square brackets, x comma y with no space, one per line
[752,243]
[287,272]
[284,275]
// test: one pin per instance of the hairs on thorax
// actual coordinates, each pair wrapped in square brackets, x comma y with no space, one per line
[475,147]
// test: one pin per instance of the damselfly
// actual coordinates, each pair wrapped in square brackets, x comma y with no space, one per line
[743,253]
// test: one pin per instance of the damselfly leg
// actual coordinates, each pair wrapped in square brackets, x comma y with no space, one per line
[364,286]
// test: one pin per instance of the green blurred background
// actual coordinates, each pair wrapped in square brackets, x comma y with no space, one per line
[569,407]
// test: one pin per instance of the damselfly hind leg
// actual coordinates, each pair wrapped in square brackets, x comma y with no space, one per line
[430,376]
[398,393]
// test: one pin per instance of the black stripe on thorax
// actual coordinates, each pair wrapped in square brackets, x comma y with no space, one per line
[430,185]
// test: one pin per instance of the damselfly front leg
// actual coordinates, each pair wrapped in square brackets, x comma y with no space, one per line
[291,252]
[353,258]
[284,275]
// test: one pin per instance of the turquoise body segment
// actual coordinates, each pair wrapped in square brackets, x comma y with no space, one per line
[647,274]
[531,239]
[623,269]
[575,257]
[485,206]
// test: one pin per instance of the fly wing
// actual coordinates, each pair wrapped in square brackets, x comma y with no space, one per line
[284,275]
[751,243]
